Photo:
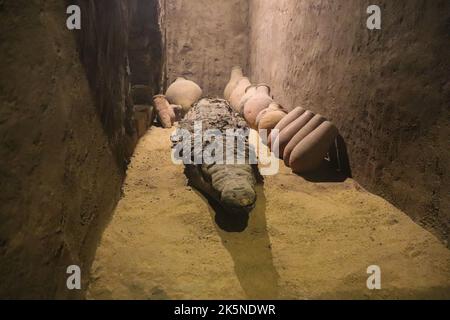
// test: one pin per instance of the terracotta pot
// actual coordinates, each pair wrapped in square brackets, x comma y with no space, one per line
[300,135]
[183,93]
[290,131]
[238,93]
[164,111]
[257,103]
[291,116]
[172,115]
[274,106]
[236,76]
[270,120]
[249,92]
[310,152]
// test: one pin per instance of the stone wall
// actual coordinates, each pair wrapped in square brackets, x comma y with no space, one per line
[65,119]
[145,45]
[204,39]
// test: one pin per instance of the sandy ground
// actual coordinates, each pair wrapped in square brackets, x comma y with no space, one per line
[304,240]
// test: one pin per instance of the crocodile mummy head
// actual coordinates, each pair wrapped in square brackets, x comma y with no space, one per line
[232,186]
[235,184]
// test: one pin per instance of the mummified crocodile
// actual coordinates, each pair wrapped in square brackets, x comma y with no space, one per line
[232,186]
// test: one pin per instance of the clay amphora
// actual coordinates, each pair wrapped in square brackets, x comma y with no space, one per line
[257,103]
[183,93]
[300,135]
[236,76]
[238,93]
[249,92]
[164,111]
[274,106]
[310,152]
[293,115]
[270,120]
[291,130]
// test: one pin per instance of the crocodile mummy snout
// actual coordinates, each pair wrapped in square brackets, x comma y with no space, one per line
[242,197]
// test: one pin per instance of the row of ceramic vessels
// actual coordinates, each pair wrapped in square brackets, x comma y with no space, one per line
[253,102]
[302,138]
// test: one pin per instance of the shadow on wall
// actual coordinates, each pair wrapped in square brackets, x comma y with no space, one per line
[103,50]
[110,51]
[115,35]
[145,45]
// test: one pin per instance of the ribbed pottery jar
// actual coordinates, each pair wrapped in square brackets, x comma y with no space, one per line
[238,93]
[300,135]
[236,76]
[270,117]
[290,131]
[292,116]
[184,93]
[310,152]
[257,103]
[274,106]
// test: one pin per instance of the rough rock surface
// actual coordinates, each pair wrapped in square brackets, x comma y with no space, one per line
[103,46]
[204,39]
[145,44]
[63,127]
[388,91]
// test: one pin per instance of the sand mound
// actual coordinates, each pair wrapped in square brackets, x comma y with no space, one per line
[304,240]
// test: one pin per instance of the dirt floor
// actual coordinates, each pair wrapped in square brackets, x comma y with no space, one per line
[304,240]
